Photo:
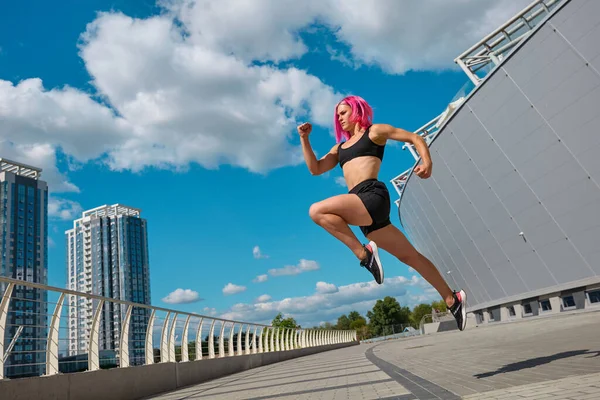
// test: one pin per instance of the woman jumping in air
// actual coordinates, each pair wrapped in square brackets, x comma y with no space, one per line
[367,204]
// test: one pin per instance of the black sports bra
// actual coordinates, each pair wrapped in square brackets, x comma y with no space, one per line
[363,147]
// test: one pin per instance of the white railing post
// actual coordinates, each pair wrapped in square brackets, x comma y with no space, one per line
[211,340]
[149,347]
[279,344]
[222,340]
[272,343]
[93,351]
[124,339]
[164,342]
[266,338]
[52,342]
[199,340]
[254,340]
[184,341]
[3,313]
[231,332]
[172,339]
[247,341]
[260,340]
[239,341]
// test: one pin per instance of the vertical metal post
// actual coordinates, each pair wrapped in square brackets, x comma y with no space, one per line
[231,331]
[149,347]
[222,340]
[211,340]
[94,352]
[278,339]
[3,313]
[254,340]
[247,341]
[124,339]
[52,343]
[172,339]
[164,342]
[184,341]
[199,340]
[260,340]
[239,340]
[272,346]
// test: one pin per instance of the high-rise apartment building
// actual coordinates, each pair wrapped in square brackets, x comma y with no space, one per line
[107,255]
[24,256]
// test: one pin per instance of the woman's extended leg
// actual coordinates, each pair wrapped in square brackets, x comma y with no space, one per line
[392,240]
[336,213]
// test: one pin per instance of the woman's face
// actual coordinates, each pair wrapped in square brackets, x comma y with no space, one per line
[343,114]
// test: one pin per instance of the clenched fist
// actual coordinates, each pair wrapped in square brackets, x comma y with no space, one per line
[423,170]
[304,129]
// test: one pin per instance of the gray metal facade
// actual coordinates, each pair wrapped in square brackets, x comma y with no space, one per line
[512,209]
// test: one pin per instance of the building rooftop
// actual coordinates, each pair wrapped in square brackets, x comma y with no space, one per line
[109,211]
[19,168]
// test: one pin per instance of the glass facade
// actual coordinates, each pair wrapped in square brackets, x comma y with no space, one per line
[109,257]
[24,256]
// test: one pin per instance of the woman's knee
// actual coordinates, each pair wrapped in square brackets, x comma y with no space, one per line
[316,212]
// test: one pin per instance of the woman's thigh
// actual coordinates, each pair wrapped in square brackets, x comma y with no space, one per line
[348,206]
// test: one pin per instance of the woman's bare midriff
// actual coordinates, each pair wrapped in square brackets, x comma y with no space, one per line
[360,169]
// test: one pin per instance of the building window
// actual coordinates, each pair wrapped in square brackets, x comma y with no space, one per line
[568,302]
[527,309]
[511,311]
[594,296]
[545,305]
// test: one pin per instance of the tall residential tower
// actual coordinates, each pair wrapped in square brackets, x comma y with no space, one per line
[107,255]
[24,256]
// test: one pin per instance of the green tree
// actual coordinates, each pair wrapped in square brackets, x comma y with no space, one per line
[280,322]
[387,312]
[354,315]
[419,312]
[326,325]
[343,323]
[358,323]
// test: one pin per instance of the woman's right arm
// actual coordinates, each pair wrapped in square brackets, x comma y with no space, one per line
[318,167]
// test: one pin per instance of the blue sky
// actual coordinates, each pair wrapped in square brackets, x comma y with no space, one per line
[197,129]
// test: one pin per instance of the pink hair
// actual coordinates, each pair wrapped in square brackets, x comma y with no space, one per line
[362,113]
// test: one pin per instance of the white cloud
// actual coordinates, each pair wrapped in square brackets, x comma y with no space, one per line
[40,155]
[230,288]
[341,181]
[260,278]
[66,210]
[257,253]
[399,36]
[303,266]
[182,296]
[324,288]
[309,310]
[263,298]
[210,311]
[180,87]
[395,35]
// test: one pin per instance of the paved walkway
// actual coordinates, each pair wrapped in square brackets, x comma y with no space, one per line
[547,358]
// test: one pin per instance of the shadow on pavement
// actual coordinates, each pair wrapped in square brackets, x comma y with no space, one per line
[534,362]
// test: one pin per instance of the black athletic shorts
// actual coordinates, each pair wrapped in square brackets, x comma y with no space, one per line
[376,198]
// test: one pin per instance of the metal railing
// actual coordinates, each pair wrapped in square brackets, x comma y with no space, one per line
[87,332]
[490,50]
